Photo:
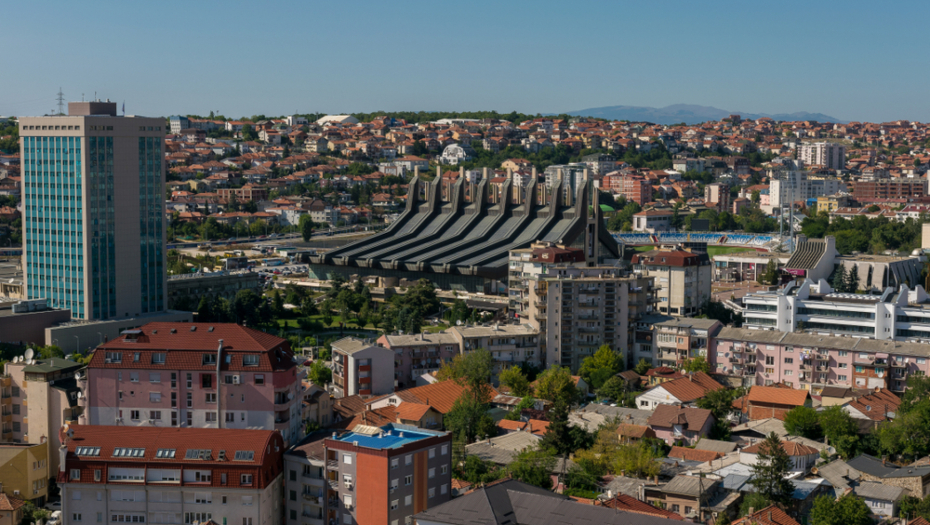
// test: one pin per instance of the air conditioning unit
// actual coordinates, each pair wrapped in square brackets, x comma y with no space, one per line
[236,380]
[348,484]
[119,420]
[151,422]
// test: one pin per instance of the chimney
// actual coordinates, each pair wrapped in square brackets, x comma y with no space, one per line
[62,454]
[770,515]
[751,510]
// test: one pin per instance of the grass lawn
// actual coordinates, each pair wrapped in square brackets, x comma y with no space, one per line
[644,248]
[720,250]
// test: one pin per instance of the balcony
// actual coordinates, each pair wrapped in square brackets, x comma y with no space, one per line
[313,498]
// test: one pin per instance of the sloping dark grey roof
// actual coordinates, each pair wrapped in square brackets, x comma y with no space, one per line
[836,473]
[534,509]
[879,491]
[486,505]
[909,472]
[689,486]
[871,465]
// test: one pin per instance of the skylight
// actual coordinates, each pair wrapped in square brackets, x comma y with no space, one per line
[194,453]
[87,451]
[244,455]
[124,452]
[165,453]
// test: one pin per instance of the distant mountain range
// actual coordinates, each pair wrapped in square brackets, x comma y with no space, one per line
[689,113]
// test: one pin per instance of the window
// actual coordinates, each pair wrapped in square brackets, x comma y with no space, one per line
[247,501]
[444,469]
[166,453]
[154,397]
[394,504]
[769,360]
[408,500]
[347,459]
[445,449]
[210,417]
[687,510]
[432,473]
[189,381]
[293,515]
[408,460]
[134,377]
[99,517]
[789,360]
[444,488]
[209,359]
[206,381]
[155,415]
[395,462]
[408,480]
[203,498]
[155,377]
[76,494]
[432,492]
[841,378]
[76,516]
[293,495]
[347,500]
[230,417]
[134,415]
[259,379]
[843,353]
[246,479]
[158,359]
[246,521]
[432,452]
[347,519]
[675,507]
[250,360]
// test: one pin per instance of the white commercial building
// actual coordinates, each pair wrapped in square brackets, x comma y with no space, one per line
[827,154]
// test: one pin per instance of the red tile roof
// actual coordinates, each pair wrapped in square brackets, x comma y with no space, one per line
[791,447]
[9,503]
[691,387]
[635,431]
[666,416]
[694,455]
[538,427]
[507,424]
[267,446]
[440,395]
[185,347]
[771,515]
[411,411]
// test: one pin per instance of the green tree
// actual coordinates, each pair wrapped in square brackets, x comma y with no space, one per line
[915,507]
[468,419]
[852,280]
[638,461]
[614,389]
[320,374]
[533,466]
[848,510]
[33,514]
[306,227]
[476,471]
[557,436]
[769,471]
[803,421]
[839,279]
[720,404]
[642,367]
[555,384]
[525,403]
[513,378]
[754,501]
[840,430]
[50,351]
[696,364]
[472,371]
[598,368]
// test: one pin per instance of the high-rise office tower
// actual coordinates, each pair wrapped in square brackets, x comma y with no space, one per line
[94,211]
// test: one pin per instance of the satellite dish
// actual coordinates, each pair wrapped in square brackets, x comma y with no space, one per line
[458,323]
[290,395]
[77,376]
[80,395]
[29,354]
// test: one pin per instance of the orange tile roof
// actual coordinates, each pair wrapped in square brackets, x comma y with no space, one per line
[440,395]
[538,427]
[691,454]
[411,411]
[635,431]
[779,396]
[689,388]
[666,416]
[9,503]
[507,424]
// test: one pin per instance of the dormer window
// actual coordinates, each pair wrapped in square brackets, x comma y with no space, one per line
[250,360]
[209,359]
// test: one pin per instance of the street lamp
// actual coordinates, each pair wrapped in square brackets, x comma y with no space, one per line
[77,345]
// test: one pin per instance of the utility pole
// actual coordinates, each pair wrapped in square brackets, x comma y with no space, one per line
[61,102]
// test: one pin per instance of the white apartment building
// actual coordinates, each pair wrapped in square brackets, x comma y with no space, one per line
[895,314]
[791,185]
[171,476]
[361,368]
[827,154]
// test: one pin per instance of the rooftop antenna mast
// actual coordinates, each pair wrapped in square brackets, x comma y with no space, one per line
[61,102]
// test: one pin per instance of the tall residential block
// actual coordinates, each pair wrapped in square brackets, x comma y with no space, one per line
[202,375]
[369,476]
[827,154]
[114,474]
[94,211]
[682,278]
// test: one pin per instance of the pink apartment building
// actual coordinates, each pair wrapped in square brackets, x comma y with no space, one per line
[200,375]
[418,354]
[811,361]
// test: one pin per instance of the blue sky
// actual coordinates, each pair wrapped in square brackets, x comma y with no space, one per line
[852,60]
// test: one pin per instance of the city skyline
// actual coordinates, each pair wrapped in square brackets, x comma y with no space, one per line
[368,57]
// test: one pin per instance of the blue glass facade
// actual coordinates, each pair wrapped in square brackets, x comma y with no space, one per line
[151,220]
[54,221]
[102,226]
